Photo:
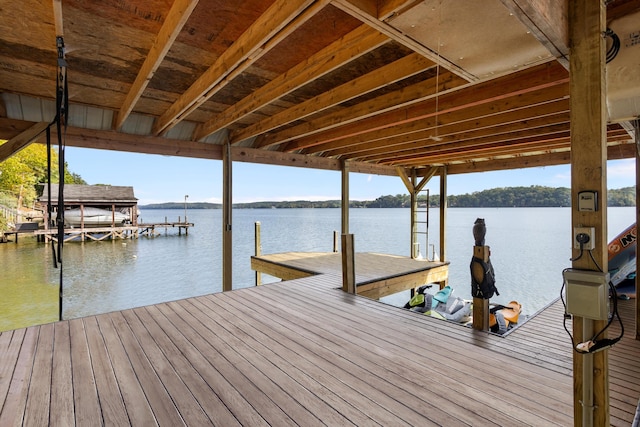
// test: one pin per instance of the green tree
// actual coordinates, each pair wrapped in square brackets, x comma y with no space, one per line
[21,174]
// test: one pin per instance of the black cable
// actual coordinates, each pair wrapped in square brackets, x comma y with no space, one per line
[62,110]
[612,52]
[50,221]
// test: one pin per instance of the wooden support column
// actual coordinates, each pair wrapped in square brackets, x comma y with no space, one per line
[345,197]
[587,22]
[636,125]
[443,213]
[227,206]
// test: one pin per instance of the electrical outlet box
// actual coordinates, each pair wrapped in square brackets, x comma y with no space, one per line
[579,233]
[587,293]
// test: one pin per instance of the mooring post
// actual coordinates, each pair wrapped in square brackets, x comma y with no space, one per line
[348,264]
[258,251]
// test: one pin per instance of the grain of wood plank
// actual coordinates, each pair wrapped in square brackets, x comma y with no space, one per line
[395,366]
[85,394]
[400,331]
[137,406]
[62,408]
[262,406]
[211,404]
[331,347]
[160,403]
[299,386]
[111,400]
[16,397]
[186,405]
[210,368]
[39,397]
[10,343]
[324,385]
[258,377]
[378,404]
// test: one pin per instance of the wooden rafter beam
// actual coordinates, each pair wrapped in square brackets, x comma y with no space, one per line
[276,23]
[173,23]
[367,12]
[353,115]
[484,118]
[383,76]
[548,22]
[19,131]
[349,47]
[510,148]
[22,140]
[524,84]
[615,152]
[427,140]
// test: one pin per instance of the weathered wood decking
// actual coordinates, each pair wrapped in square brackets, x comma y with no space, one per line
[377,275]
[298,352]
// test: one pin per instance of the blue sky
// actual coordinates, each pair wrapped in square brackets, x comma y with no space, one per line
[158,179]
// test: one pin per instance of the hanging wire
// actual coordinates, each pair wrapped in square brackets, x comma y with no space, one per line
[612,52]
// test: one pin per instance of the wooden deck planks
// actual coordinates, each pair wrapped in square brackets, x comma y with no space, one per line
[299,352]
[420,347]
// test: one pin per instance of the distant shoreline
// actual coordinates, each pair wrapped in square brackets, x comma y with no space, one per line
[508,197]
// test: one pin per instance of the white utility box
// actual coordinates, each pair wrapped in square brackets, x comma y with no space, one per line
[587,293]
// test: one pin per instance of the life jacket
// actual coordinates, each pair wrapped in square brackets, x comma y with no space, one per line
[486,288]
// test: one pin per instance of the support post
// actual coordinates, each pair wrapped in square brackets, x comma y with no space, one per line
[345,197]
[227,247]
[587,23]
[348,264]
[258,250]
[443,213]
[636,125]
[413,197]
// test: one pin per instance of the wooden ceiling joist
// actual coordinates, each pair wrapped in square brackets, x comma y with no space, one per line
[175,20]
[398,70]
[479,117]
[273,26]
[519,85]
[303,135]
[21,140]
[353,45]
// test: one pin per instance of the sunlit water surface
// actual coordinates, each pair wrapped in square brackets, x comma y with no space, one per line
[529,249]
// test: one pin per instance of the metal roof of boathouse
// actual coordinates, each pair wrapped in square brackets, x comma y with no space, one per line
[75,194]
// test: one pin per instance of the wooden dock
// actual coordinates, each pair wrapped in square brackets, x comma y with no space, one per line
[377,275]
[300,352]
[104,233]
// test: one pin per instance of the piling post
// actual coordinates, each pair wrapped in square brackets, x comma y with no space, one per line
[258,251]
[348,264]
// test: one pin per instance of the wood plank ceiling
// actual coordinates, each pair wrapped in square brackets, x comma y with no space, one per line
[475,85]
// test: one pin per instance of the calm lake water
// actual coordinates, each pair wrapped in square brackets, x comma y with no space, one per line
[529,249]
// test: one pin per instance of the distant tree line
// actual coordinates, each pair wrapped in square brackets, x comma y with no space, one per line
[533,196]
